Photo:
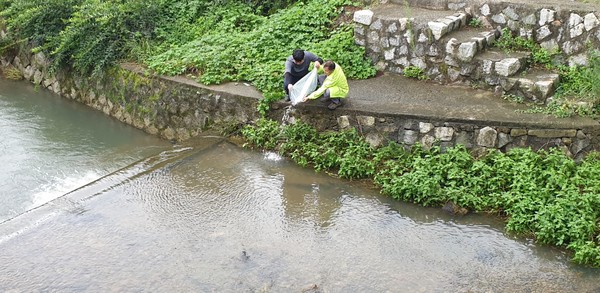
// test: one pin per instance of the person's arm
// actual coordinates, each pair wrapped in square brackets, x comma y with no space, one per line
[319,92]
[311,57]
[288,66]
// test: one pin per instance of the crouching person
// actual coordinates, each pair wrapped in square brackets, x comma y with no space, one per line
[334,86]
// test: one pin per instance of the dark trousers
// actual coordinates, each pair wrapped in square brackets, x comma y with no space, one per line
[289,79]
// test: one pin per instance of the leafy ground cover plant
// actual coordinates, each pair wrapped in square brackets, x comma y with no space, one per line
[542,194]
[213,41]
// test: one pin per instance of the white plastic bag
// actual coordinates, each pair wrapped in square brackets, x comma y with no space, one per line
[304,87]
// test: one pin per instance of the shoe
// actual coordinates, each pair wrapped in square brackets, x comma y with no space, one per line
[333,105]
[287,98]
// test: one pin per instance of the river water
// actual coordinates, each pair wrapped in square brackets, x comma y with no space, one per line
[88,204]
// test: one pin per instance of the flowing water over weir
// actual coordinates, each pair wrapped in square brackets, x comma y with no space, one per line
[207,216]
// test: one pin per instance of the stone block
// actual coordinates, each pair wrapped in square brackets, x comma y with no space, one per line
[580,145]
[453,73]
[450,23]
[38,77]
[409,37]
[392,28]
[550,45]
[499,18]
[545,87]
[438,29]
[464,138]
[448,60]
[359,30]
[433,51]
[507,67]
[389,54]
[466,51]
[511,13]
[374,140]
[487,66]
[542,33]
[503,139]
[456,21]
[427,141]
[360,41]
[576,25]
[418,62]
[488,38]
[546,16]
[580,59]
[526,85]
[590,21]
[403,50]
[529,19]
[373,37]
[513,25]
[452,46]
[485,9]
[404,22]
[487,137]
[376,25]
[515,132]
[444,133]
[409,137]
[402,61]
[507,84]
[552,133]
[384,43]
[467,69]
[343,122]
[363,17]
[368,121]
[425,127]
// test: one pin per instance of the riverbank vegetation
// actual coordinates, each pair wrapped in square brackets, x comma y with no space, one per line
[544,195]
[211,41]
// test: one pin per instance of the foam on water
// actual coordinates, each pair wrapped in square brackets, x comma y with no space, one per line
[59,186]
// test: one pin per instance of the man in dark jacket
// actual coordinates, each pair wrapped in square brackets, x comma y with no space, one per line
[296,67]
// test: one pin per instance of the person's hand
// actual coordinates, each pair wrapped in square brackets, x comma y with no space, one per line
[317,64]
[305,99]
[290,87]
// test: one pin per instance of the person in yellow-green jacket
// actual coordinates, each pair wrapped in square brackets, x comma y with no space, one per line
[334,86]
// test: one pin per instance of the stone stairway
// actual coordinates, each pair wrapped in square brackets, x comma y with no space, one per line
[449,51]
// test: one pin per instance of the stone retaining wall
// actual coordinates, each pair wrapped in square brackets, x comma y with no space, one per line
[172,108]
[478,136]
[177,109]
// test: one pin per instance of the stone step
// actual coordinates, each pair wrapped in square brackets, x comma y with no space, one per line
[494,63]
[437,22]
[464,44]
[536,85]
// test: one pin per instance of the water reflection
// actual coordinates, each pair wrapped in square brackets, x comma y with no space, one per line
[222,219]
[52,145]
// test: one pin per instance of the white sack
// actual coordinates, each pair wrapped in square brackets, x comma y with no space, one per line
[304,87]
